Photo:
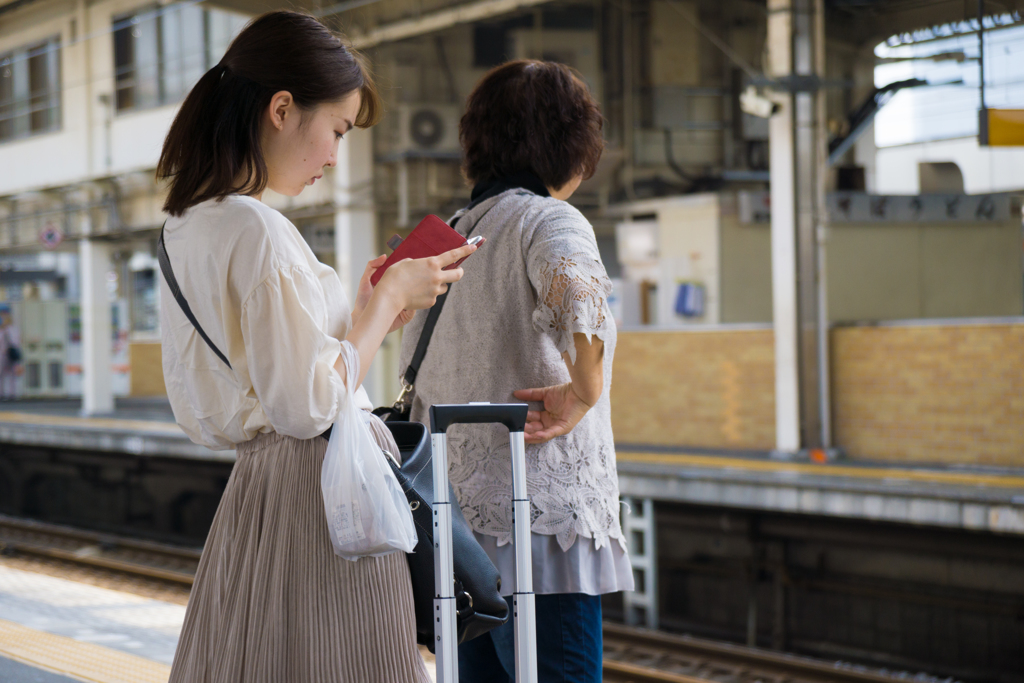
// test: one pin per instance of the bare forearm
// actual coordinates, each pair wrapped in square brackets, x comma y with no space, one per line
[587,373]
[368,332]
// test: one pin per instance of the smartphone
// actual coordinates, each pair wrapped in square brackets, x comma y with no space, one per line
[478,240]
[430,238]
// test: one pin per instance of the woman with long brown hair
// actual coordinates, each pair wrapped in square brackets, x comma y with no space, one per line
[265,362]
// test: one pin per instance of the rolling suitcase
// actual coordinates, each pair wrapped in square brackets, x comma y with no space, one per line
[513,416]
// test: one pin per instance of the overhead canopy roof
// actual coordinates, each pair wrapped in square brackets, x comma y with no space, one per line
[858,21]
[864,21]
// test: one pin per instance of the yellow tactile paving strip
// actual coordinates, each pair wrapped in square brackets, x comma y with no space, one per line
[148,426]
[84,661]
[826,469]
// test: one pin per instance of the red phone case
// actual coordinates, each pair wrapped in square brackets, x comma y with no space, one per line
[431,237]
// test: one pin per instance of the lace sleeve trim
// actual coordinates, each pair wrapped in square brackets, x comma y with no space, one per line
[574,289]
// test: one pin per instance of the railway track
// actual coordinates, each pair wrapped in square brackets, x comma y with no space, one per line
[93,549]
[631,655]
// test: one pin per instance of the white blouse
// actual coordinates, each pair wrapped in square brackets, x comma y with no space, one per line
[271,307]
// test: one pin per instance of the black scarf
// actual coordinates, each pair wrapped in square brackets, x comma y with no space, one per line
[528,180]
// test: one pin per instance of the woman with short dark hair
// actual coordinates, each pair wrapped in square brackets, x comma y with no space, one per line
[531,322]
[280,354]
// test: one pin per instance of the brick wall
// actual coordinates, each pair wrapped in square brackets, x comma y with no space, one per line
[695,388]
[147,373]
[930,393]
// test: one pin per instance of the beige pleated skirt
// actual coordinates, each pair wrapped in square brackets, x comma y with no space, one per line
[272,603]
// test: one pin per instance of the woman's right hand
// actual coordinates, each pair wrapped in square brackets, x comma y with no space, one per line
[416,283]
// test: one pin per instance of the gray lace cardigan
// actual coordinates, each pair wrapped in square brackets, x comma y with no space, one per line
[537,280]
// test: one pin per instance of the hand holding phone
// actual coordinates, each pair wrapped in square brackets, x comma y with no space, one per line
[432,237]
[416,283]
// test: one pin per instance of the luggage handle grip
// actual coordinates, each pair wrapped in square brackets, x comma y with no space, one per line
[512,415]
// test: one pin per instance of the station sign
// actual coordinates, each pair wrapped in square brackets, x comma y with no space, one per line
[860,207]
[857,207]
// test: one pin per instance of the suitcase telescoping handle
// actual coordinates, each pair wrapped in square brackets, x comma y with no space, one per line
[513,416]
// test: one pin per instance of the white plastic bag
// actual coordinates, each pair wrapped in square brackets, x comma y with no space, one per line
[367,511]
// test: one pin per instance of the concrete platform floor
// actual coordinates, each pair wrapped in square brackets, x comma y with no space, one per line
[13,671]
[54,630]
[157,408]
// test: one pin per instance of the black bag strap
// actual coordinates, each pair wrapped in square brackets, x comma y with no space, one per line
[172,284]
[409,378]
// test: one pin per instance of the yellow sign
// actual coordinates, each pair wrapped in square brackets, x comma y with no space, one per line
[1005,128]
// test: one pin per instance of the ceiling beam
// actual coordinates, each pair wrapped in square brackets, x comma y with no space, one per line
[439,20]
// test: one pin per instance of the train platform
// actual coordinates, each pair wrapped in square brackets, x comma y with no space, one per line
[136,426]
[56,630]
[972,498]
[51,626]
[967,497]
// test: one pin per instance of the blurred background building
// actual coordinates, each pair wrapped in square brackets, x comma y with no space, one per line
[680,202]
[814,251]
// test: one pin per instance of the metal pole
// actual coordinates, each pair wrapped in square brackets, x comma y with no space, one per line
[524,610]
[981,51]
[782,165]
[806,176]
[983,111]
[821,236]
[445,624]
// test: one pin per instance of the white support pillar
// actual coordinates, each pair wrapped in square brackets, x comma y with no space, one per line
[782,167]
[355,227]
[94,265]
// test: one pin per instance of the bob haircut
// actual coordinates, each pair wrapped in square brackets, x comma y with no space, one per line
[213,148]
[528,115]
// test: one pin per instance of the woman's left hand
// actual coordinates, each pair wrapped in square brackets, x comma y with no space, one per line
[563,409]
[400,322]
[365,290]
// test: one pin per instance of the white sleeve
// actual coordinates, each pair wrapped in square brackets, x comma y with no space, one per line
[291,360]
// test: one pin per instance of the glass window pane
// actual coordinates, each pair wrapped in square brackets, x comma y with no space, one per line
[6,97]
[53,70]
[42,86]
[124,64]
[223,27]
[145,301]
[170,54]
[56,372]
[193,46]
[30,90]
[37,88]
[19,67]
[32,375]
[147,85]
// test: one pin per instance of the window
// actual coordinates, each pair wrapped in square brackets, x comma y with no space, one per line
[160,53]
[30,90]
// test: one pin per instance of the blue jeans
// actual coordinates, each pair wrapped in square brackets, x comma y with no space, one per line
[569,644]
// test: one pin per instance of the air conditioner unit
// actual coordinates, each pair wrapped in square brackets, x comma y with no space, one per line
[428,130]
